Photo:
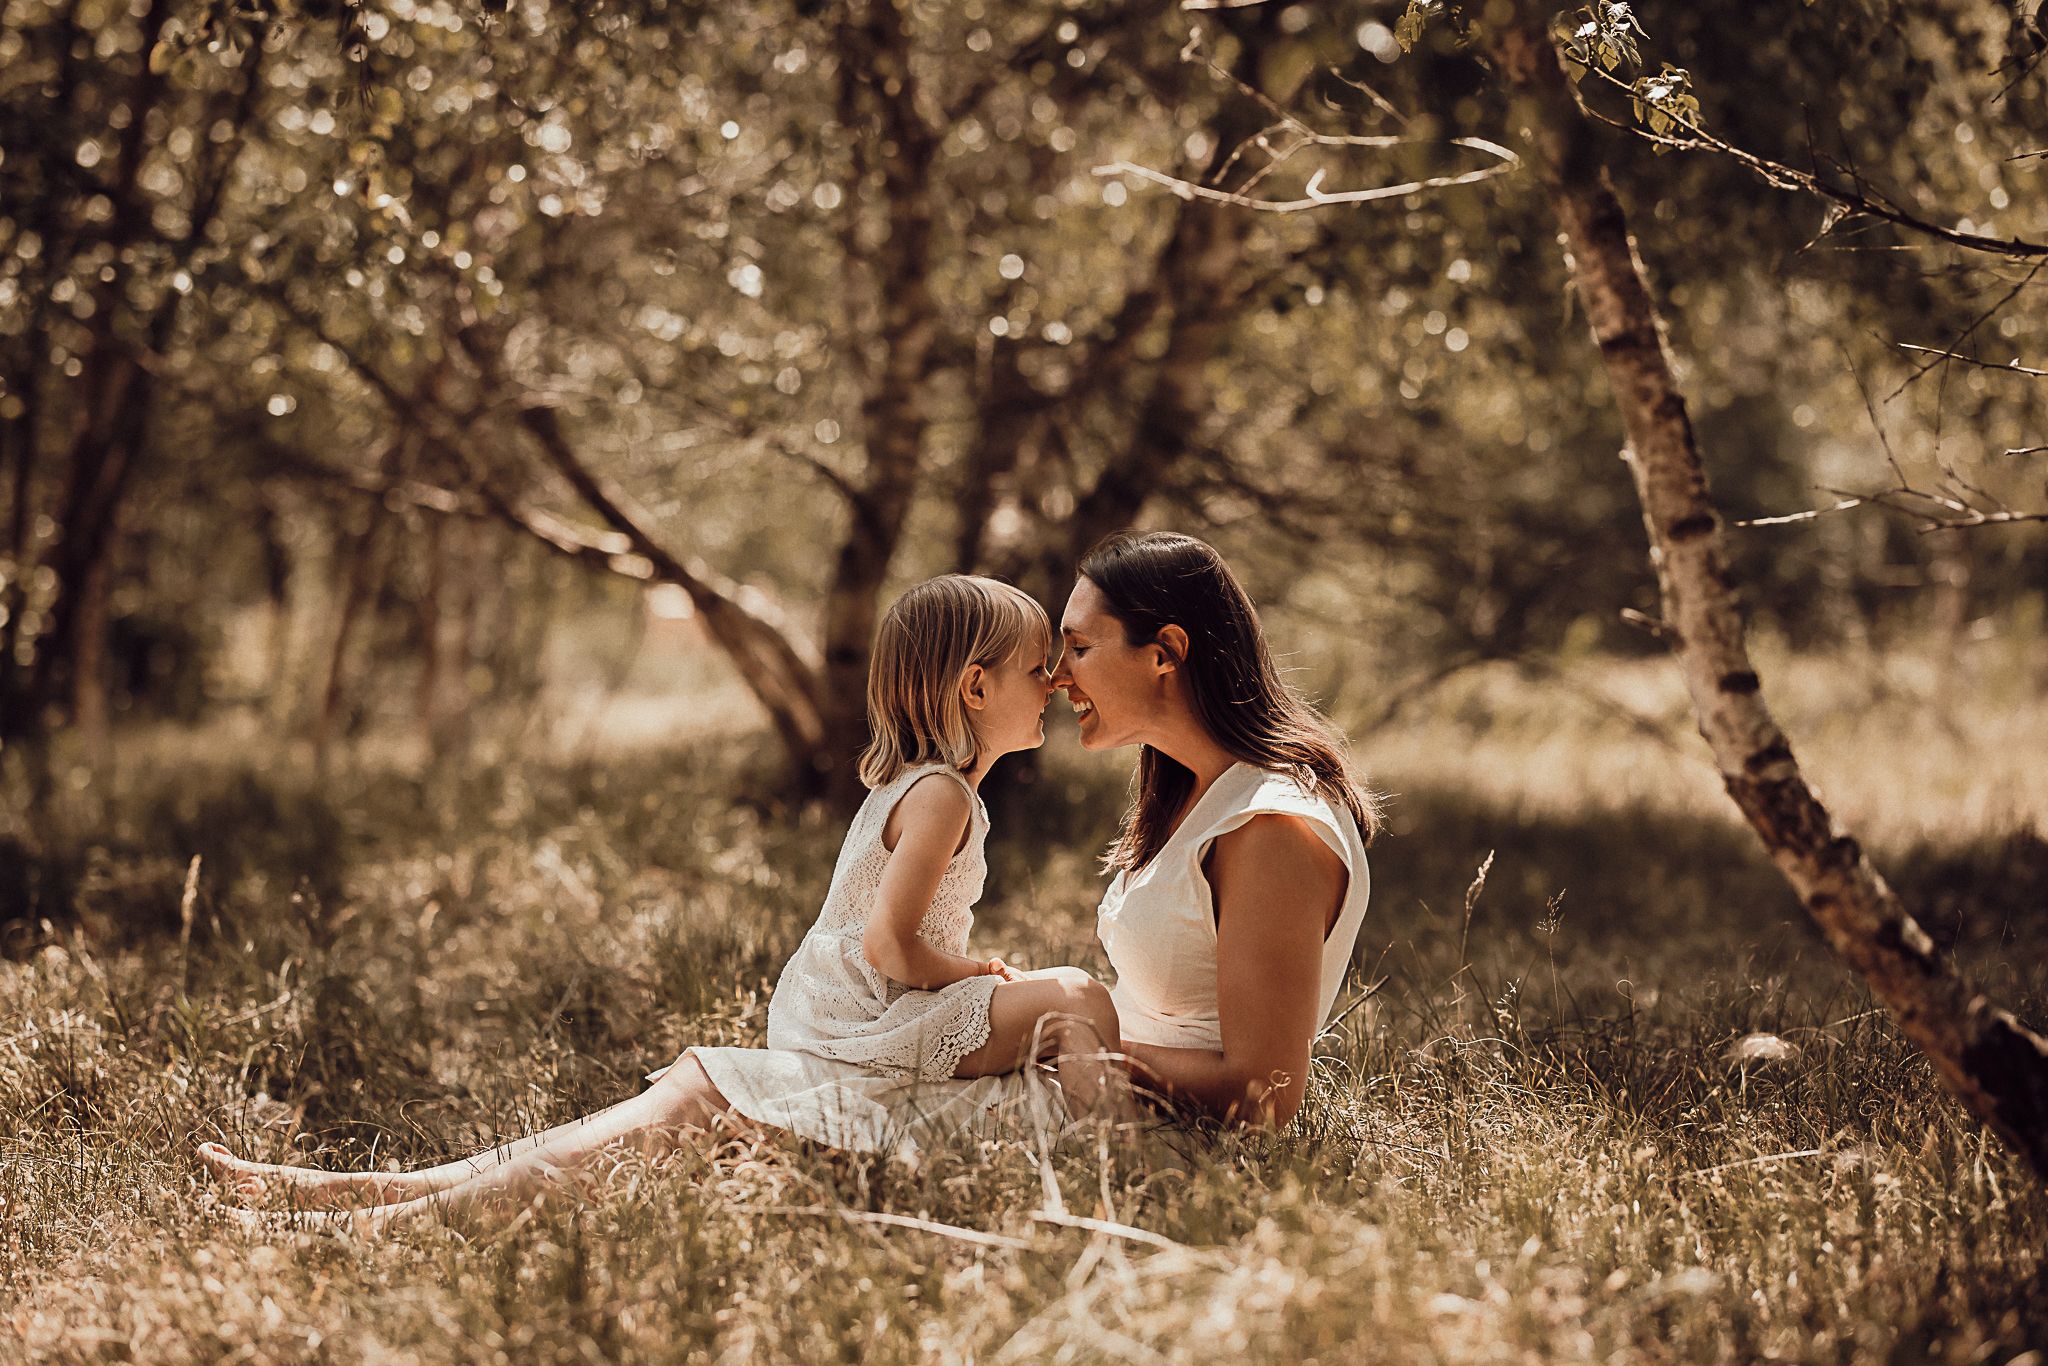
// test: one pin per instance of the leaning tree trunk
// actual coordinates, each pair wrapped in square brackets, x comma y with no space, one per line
[1990,1061]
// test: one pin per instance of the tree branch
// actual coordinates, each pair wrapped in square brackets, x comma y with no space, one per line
[1780,176]
[1313,195]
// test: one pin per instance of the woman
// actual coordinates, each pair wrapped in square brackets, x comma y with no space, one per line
[1240,887]
[1240,874]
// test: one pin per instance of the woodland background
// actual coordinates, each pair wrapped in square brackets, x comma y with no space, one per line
[451,462]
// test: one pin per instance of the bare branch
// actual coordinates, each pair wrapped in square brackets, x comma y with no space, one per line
[1315,197]
[1789,518]
[2009,368]
[1966,334]
[1379,101]
[1930,509]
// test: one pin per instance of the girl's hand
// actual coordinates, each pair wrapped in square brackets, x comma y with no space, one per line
[996,967]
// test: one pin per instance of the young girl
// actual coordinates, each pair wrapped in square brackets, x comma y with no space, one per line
[880,1015]
[960,677]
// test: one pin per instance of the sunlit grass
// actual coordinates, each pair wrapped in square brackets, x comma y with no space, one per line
[1537,1141]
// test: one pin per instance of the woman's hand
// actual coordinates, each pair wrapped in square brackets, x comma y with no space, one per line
[998,968]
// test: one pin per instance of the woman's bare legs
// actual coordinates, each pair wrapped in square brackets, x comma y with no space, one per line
[308,1188]
[1064,1015]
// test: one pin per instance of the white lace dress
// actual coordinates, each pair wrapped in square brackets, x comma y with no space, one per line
[832,1002]
[855,1059]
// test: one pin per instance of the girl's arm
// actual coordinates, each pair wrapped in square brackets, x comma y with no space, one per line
[931,818]
[1277,888]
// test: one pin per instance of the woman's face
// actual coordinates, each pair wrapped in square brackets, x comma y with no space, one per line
[1116,688]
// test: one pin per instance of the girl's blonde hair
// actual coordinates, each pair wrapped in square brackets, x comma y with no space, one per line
[928,640]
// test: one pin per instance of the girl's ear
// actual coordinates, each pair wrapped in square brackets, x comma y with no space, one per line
[974,687]
[1171,647]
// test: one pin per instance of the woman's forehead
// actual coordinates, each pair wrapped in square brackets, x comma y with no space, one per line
[1086,608]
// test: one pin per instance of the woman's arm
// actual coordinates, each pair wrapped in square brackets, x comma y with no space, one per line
[1277,889]
[931,818]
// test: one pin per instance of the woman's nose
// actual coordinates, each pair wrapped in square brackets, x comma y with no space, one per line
[1060,677]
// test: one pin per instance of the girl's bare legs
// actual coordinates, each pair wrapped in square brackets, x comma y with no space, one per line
[1065,1015]
[308,1188]
[681,1108]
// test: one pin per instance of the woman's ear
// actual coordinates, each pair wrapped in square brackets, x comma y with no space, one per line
[974,687]
[1172,645]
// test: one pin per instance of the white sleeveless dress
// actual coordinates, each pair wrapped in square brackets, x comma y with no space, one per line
[1159,923]
[855,1059]
[1159,928]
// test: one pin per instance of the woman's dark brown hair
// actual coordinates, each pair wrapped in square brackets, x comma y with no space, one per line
[1159,579]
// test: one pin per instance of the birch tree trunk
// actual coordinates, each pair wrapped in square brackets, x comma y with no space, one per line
[1990,1061]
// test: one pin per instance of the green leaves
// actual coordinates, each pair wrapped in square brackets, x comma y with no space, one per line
[1664,103]
[1605,34]
[1408,28]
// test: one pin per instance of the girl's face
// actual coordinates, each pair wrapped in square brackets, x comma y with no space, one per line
[1013,695]
[1116,688]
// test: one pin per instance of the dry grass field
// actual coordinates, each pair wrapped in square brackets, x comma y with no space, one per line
[1540,1139]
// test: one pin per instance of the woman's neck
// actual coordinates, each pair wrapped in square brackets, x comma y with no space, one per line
[1193,749]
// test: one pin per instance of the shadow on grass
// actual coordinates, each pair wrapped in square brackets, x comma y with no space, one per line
[1675,889]
[1664,882]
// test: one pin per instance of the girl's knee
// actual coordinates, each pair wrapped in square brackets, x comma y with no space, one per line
[1084,1008]
[688,1096]
[1077,986]
[1090,1000]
